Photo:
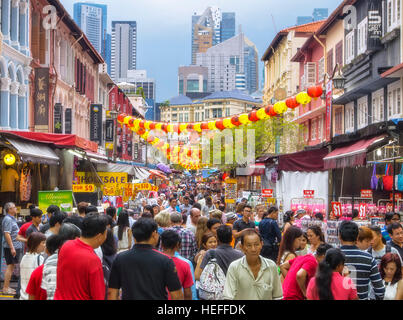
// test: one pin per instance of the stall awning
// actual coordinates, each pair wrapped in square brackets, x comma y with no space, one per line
[253,169]
[34,152]
[96,157]
[306,161]
[59,140]
[354,154]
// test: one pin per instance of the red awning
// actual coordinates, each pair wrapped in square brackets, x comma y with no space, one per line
[59,140]
[352,155]
[158,174]
[306,161]
[253,169]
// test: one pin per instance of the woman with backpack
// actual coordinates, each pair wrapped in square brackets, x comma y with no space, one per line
[290,243]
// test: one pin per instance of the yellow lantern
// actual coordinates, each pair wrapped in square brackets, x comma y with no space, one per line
[9,159]
[227,123]
[170,128]
[155,141]
[145,135]
[280,107]
[303,98]
[126,120]
[147,125]
[262,115]
[197,127]
[182,127]
[158,126]
[244,119]
[211,125]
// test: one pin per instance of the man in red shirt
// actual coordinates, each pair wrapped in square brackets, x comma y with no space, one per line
[298,271]
[79,269]
[171,242]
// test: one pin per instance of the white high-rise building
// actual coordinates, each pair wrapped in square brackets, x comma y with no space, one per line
[232,65]
[124,48]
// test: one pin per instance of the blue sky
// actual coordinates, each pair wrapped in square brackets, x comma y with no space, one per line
[164,29]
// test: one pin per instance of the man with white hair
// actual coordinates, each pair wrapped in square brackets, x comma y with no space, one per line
[192,220]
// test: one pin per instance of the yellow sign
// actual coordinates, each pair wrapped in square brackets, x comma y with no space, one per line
[144,186]
[109,145]
[230,190]
[9,159]
[83,188]
[107,178]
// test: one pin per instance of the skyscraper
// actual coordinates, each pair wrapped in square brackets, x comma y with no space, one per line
[92,19]
[232,65]
[211,28]
[317,15]
[124,49]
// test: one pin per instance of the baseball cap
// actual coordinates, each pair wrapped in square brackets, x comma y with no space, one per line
[231,215]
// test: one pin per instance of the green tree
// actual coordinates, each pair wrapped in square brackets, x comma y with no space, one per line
[140,92]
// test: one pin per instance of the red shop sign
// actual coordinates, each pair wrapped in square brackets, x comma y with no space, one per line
[309,194]
[398,196]
[362,212]
[336,209]
[366,194]
[267,193]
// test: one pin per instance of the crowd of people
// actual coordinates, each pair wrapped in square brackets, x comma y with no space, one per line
[186,244]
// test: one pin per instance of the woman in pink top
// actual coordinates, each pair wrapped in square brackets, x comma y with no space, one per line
[329,284]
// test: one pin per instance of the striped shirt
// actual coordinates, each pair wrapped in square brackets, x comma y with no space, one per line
[363,270]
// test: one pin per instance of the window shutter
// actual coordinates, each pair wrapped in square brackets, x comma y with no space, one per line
[339,53]
[310,74]
[42,43]
[35,36]
[330,62]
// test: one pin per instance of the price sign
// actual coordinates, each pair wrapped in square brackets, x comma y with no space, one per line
[83,188]
[367,194]
[336,209]
[398,196]
[267,193]
[389,207]
[309,194]
[362,211]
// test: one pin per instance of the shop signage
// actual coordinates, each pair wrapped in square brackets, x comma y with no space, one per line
[374,25]
[96,123]
[366,194]
[329,104]
[309,194]
[63,199]
[230,190]
[107,177]
[83,188]
[337,209]
[267,193]
[58,118]
[67,121]
[109,129]
[389,207]
[362,211]
[145,186]
[109,145]
[41,97]
[398,196]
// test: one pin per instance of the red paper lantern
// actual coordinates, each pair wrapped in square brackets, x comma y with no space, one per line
[315,92]
[219,124]
[235,121]
[292,103]
[189,154]
[121,117]
[141,131]
[152,125]
[131,123]
[163,127]
[150,139]
[252,116]
[190,126]
[270,111]
[204,126]
[141,124]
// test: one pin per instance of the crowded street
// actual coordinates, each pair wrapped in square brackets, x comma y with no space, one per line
[271,168]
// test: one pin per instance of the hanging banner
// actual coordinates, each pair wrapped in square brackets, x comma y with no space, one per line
[67,121]
[109,130]
[367,194]
[96,123]
[230,190]
[107,177]
[41,98]
[58,118]
[329,105]
[374,25]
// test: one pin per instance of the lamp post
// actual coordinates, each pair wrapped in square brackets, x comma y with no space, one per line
[114,116]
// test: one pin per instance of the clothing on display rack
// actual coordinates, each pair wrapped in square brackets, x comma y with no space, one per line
[25,184]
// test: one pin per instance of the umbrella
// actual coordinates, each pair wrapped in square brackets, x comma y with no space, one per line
[164,168]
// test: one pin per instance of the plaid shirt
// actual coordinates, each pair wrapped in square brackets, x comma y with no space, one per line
[188,248]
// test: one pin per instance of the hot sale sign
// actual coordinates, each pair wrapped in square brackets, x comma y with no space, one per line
[309,194]
[267,193]
[336,209]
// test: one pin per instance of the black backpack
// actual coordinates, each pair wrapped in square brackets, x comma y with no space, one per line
[388,249]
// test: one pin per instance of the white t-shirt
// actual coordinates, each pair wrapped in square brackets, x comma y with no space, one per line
[379,254]
[29,262]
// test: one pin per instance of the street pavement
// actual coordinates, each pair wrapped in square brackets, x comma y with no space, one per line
[13,284]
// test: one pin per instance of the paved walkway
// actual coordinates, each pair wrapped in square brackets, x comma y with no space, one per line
[13,284]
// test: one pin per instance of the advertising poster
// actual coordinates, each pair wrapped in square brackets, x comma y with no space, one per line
[63,199]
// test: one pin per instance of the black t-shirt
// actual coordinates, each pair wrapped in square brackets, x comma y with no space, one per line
[240,225]
[144,273]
